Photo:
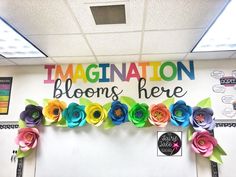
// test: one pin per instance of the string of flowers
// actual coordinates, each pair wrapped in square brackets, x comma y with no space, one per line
[199,120]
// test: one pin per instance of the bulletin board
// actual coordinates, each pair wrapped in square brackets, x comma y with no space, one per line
[122,150]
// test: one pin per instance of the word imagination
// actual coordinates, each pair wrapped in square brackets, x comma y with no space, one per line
[67,79]
[106,72]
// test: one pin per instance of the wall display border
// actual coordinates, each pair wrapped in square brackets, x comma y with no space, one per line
[20,161]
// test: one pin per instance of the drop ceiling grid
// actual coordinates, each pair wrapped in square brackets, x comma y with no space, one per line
[78,59]
[32,61]
[115,44]
[62,45]
[38,17]
[184,14]
[180,41]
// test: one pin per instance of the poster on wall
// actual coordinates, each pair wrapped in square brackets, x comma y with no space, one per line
[5,93]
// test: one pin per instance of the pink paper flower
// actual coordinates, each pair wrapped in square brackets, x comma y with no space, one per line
[27,138]
[203,143]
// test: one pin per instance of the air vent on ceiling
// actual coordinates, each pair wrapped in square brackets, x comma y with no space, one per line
[112,14]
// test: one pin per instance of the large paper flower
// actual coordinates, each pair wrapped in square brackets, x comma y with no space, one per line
[96,114]
[118,113]
[139,114]
[32,115]
[202,119]
[159,115]
[27,138]
[180,113]
[53,110]
[203,143]
[74,115]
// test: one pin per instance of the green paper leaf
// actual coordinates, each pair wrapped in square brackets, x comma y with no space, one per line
[108,124]
[21,154]
[84,101]
[61,123]
[21,123]
[127,100]
[190,133]
[169,102]
[29,101]
[47,122]
[220,150]
[215,157]
[206,103]
[148,124]
[45,101]
[107,106]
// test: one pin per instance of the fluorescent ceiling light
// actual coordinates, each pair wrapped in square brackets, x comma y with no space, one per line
[222,34]
[14,45]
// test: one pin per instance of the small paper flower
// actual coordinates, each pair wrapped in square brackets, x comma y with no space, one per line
[203,143]
[202,119]
[96,114]
[118,113]
[27,138]
[32,115]
[159,115]
[74,115]
[180,113]
[139,114]
[53,110]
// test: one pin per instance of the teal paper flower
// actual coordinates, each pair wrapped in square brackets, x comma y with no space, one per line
[74,115]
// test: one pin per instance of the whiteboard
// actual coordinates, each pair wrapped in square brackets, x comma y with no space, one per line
[120,152]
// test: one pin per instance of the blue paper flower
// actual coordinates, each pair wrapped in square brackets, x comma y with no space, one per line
[202,119]
[74,115]
[118,113]
[180,113]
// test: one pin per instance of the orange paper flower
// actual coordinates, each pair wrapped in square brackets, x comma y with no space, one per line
[159,115]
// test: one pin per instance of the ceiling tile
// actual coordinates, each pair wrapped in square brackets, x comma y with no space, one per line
[118,59]
[161,57]
[209,55]
[85,59]
[182,14]
[180,41]
[39,17]
[61,45]
[5,62]
[115,44]
[134,15]
[32,61]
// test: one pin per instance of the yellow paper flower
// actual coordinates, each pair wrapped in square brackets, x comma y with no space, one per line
[96,114]
[53,110]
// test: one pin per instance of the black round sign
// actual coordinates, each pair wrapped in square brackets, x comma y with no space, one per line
[169,143]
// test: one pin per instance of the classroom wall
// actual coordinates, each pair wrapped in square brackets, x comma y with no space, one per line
[76,148]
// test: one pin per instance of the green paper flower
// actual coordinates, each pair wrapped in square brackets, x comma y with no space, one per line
[139,114]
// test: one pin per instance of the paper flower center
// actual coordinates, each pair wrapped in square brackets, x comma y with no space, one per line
[158,115]
[28,137]
[201,142]
[35,115]
[200,118]
[56,111]
[97,114]
[139,114]
[178,113]
[118,112]
[76,114]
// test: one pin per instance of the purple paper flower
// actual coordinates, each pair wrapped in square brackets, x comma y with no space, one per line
[202,119]
[32,115]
